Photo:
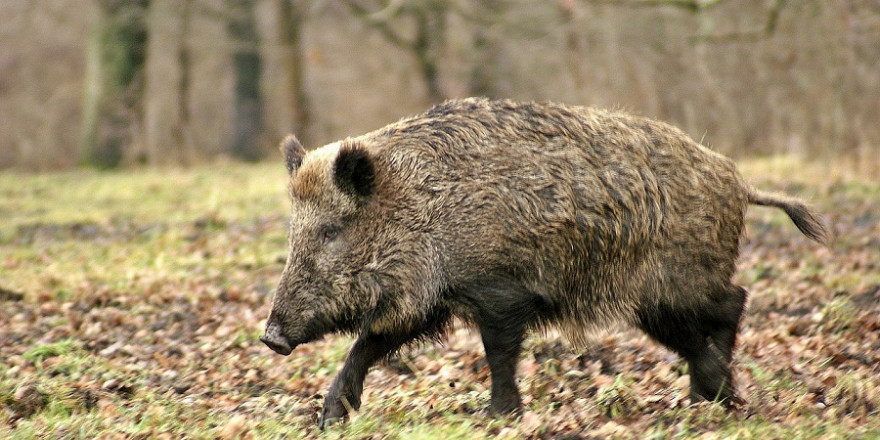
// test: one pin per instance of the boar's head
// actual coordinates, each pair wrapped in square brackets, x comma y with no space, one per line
[326,284]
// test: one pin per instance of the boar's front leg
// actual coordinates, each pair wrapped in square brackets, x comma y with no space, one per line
[349,383]
[502,346]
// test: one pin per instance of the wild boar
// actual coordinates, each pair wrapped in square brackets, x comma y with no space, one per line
[514,217]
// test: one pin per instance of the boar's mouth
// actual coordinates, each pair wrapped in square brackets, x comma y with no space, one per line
[275,339]
[283,342]
[280,346]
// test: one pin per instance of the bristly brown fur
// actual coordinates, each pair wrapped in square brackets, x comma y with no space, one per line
[513,216]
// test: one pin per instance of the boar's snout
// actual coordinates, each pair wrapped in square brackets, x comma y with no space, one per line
[274,339]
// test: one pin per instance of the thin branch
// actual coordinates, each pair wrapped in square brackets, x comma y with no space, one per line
[749,36]
[697,6]
[388,12]
[379,21]
[691,5]
[491,14]
[773,18]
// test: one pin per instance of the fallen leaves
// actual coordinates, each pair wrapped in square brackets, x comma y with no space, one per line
[28,399]
[149,329]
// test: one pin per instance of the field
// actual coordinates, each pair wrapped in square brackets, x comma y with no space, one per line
[131,303]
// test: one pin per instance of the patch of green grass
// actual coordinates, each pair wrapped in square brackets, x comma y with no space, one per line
[244,336]
[333,356]
[617,399]
[212,193]
[854,394]
[853,281]
[758,272]
[60,348]
[69,229]
[760,428]
[775,382]
[838,314]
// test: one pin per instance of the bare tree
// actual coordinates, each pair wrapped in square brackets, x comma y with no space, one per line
[426,41]
[292,16]
[166,116]
[487,40]
[574,51]
[114,81]
[182,130]
[247,67]
[760,77]
[421,28]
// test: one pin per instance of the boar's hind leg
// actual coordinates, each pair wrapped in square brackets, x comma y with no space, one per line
[346,390]
[704,336]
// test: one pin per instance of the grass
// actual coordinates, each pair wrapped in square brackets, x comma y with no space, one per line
[134,301]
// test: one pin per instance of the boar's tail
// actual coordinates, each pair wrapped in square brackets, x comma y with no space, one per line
[803,217]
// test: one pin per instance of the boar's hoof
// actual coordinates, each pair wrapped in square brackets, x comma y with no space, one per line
[333,412]
[734,403]
[506,408]
[731,402]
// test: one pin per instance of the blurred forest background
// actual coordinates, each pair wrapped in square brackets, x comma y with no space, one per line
[111,83]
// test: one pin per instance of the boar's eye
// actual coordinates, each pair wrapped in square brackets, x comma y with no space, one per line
[329,233]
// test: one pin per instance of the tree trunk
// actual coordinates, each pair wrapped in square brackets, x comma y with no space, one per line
[574,53]
[182,132]
[247,68]
[291,17]
[429,45]
[114,81]
[485,74]
[166,114]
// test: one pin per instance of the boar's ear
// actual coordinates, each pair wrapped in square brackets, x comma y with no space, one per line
[293,152]
[353,171]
